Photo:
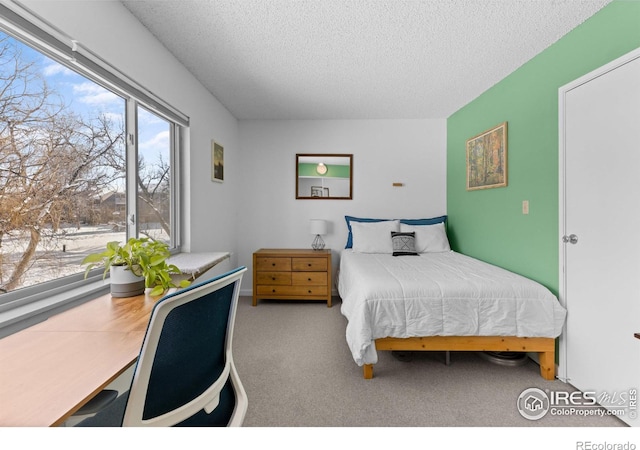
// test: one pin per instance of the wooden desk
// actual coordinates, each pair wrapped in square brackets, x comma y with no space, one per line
[48,371]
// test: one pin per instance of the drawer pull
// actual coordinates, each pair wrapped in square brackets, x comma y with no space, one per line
[273,278]
[273,290]
[309,264]
[308,279]
[273,264]
[309,291]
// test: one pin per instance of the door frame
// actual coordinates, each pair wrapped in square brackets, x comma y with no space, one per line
[562,94]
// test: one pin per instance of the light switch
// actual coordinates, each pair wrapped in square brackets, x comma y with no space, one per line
[525,206]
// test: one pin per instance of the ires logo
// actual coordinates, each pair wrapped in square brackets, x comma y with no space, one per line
[577,398]
[534,403]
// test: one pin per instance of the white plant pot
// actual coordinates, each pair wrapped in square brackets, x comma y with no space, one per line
[125,283]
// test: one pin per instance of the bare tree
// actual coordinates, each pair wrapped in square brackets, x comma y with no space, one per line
[153,189]
[55,165]
[51,161]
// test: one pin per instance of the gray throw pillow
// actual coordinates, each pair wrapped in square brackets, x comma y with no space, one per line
[404,243]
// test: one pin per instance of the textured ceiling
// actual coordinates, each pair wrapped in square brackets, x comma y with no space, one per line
[355,59]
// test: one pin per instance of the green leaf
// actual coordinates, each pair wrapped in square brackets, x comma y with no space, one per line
[157,259]
[93,258]
[158,290]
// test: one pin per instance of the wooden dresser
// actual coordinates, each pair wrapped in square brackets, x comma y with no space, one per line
[292,274]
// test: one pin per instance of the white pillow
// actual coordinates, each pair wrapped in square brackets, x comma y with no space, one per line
[429,238]
[373,237]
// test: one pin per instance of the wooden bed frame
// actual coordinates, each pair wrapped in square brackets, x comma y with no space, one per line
[545,347]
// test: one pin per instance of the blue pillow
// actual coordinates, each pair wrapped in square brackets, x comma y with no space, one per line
[350,219]
[431,221]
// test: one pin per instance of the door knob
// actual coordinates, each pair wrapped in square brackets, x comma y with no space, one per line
[571,239]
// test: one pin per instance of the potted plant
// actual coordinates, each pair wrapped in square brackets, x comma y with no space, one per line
[138,264]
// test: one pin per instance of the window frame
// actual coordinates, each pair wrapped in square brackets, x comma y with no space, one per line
[37,302]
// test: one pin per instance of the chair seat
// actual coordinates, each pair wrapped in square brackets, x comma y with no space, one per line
[100,401]
[110,416]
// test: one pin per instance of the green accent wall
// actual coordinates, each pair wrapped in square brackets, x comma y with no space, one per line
[488,224]
[333,171]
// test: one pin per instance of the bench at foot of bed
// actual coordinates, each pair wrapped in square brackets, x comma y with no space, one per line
[545,347]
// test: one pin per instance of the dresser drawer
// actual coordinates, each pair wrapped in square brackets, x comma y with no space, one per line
[274,264]
[309,264]
[279,278]
[300,291]
[309,279]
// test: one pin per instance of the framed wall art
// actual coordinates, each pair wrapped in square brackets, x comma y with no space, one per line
[487,159]
[217,162]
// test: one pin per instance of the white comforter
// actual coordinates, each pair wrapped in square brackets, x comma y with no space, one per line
[439,294]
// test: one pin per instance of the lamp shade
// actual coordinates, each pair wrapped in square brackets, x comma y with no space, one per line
[318,226]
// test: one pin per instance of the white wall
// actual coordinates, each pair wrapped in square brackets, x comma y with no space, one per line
[109,30]
[255,207]
[412,152]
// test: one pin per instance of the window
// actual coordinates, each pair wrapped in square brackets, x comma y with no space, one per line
[154,176]
[71,147]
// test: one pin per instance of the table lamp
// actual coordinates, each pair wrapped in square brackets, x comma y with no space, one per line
[318,227]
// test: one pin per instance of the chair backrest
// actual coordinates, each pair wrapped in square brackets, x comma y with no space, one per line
[185,374]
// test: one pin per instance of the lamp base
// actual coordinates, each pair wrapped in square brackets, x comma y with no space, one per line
[318,243]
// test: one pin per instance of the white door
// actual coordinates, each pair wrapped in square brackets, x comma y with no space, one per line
[600,215]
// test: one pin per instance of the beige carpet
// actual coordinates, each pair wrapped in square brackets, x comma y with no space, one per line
[298,372]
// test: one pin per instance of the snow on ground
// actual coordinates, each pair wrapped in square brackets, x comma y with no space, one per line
[63,255]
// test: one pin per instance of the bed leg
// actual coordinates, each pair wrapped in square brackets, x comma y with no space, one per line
[547,364]
[368,371]
[447,358]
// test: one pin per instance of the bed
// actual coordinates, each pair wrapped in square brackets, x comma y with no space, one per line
[402,288]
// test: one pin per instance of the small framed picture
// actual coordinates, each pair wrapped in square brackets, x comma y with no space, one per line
[217,162]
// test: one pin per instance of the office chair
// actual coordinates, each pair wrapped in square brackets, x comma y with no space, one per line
[185,374]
